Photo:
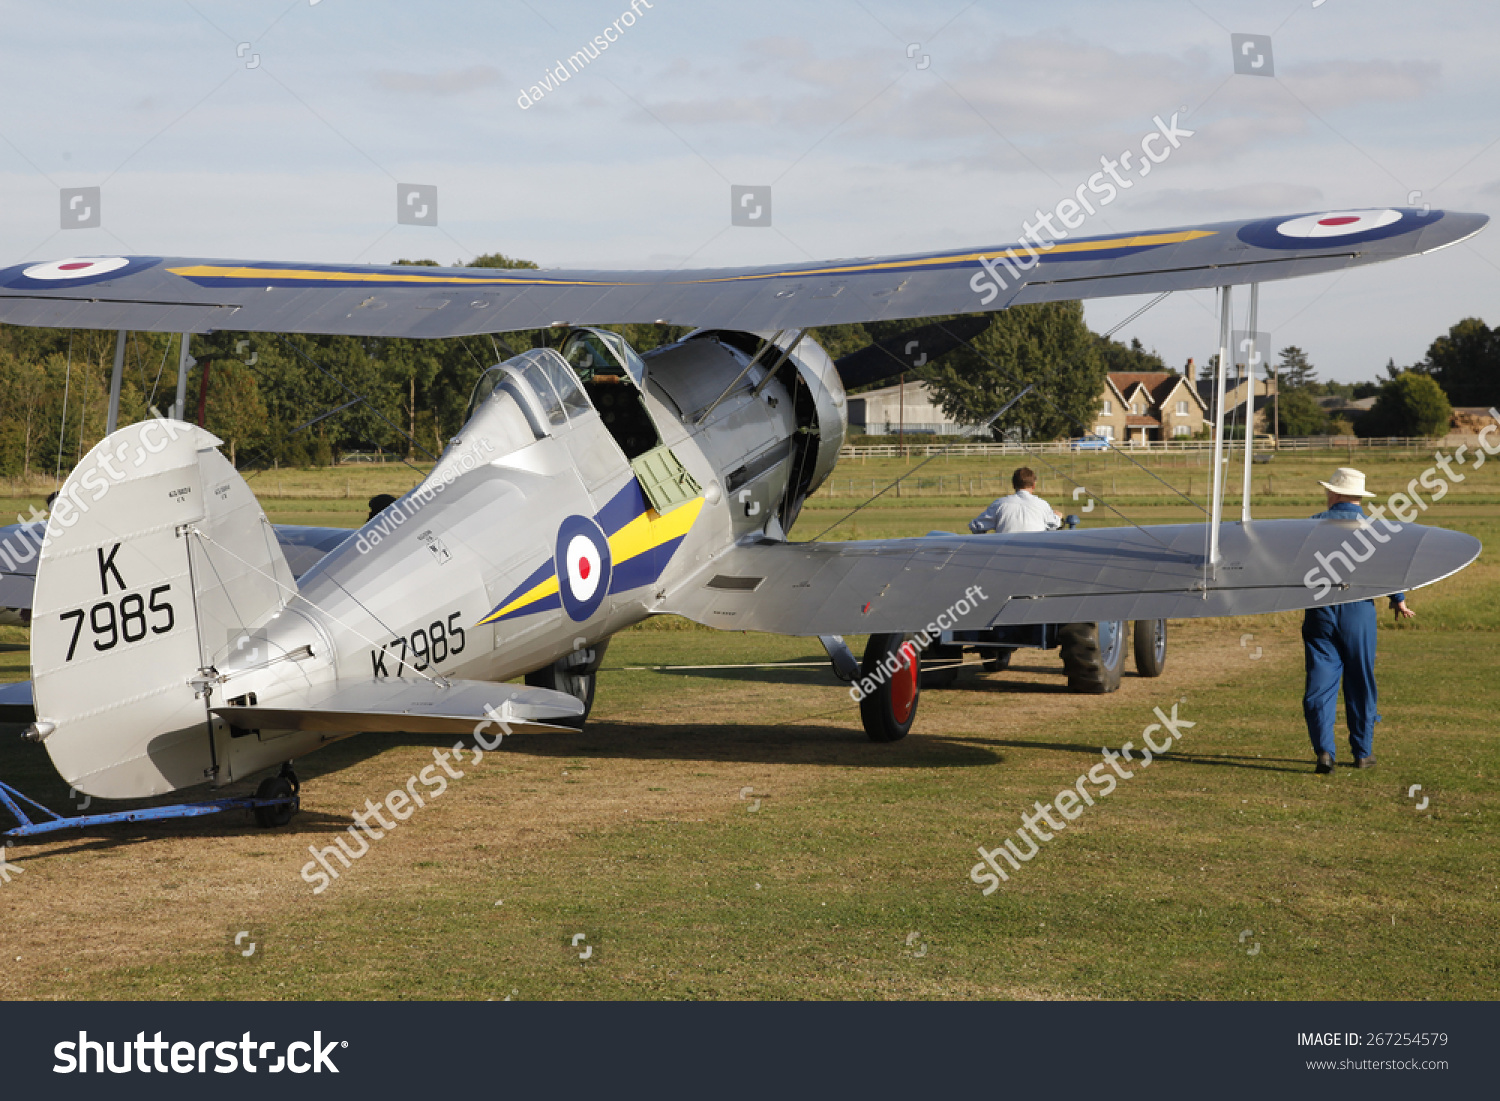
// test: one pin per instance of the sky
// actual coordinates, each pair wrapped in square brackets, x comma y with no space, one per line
[281,129]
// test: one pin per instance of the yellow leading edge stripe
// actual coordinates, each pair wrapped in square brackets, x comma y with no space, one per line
[646,532]
[1145,240]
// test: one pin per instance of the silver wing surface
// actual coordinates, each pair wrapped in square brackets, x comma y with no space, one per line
[1105,574]
[396,706]
[146,293]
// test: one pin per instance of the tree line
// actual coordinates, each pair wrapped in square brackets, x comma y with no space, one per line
[298,401]
[1461,368]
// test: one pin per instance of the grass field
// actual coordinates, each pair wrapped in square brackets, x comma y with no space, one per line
[731,833]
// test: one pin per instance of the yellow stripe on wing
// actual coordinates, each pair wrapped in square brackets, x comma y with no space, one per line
[254,274]
[212,271]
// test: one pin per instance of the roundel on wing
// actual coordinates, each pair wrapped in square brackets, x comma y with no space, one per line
[75,270]
[583,566]
[1335,227]
[1339,223]
[75,267]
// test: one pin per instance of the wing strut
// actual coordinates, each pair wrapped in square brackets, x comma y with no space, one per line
[184,361]
[1250,360]
[1216,509]
[114,384]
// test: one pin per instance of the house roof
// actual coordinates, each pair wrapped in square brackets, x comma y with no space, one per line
[1135,421]
[1157,384]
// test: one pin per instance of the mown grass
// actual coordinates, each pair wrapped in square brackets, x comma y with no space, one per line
[851,879]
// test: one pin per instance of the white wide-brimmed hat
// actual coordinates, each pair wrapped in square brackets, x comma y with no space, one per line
[1347,482]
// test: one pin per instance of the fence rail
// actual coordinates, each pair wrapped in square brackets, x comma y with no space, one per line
[1067,447]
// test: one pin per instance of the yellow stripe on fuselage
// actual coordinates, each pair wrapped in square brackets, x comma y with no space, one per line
[646,532]
[650,530]
[530,596]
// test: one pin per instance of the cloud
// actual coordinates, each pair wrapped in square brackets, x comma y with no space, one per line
[1269,196]
[1334,85]
[450,82]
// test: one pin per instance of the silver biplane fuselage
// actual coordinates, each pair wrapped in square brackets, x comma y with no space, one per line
[463,578]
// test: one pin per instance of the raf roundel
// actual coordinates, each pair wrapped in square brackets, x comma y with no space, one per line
[1340,223]
[1335,229]
[75,267]
[75,271]
[583,566]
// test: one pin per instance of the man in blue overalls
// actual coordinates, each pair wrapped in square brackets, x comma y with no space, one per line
[1340,644]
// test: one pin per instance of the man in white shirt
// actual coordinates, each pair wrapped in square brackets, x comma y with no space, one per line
[1021,511]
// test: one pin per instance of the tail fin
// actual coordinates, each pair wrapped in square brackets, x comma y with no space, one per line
[156,560]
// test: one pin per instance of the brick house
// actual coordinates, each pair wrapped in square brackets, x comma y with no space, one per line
[1148,406]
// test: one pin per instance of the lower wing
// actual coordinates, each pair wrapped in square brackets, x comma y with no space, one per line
[390,706]
[1106,574]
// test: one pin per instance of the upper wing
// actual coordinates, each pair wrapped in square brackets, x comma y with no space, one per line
[1063,577]
[146,293]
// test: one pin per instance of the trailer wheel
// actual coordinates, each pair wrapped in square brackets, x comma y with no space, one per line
[1150,647]
[940,665]
[276,787]
[889,711]
[997,661]
[1093,656]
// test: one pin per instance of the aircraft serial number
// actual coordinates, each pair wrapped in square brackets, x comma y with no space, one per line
[423,648]
[113,622]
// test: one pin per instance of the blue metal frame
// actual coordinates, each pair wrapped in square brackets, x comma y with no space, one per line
[55,821]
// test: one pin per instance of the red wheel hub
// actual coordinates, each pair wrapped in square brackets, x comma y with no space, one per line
[904,684]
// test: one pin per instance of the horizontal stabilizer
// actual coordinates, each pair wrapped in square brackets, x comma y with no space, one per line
[16,705]
[1104,574]
[397,706]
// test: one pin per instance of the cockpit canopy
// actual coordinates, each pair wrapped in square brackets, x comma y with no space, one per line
[600,352]
[537,384]
[531,395]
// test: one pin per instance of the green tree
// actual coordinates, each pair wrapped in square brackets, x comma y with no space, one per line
[1466,363]
[1301,415]
[1411,404]
[1132,357]
[500,260]
[1294,371]
[1047,345]
[235,411]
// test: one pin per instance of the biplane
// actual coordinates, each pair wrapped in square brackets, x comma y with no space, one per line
[178,638]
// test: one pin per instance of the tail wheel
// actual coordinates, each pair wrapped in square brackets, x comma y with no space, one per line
[574,675]
[1150,647]
[1093,656]
[940,666]
[889,710]
[277,787]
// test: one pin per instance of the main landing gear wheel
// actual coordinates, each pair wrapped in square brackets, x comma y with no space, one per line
[574,675]
[1150,647]
[284,786]
[1093,656]
[889,711]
